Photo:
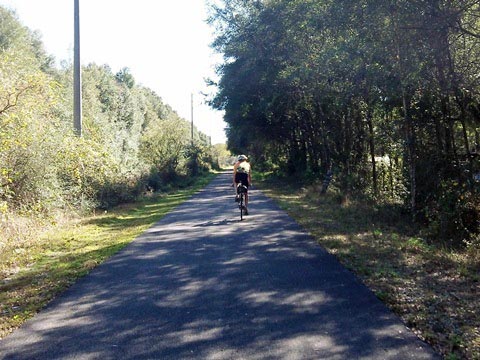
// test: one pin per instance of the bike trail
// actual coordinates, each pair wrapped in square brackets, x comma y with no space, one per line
[200,284]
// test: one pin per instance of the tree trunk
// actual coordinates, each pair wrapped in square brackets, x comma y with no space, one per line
[410,148]
[411,155]
[347,148]
[371,141]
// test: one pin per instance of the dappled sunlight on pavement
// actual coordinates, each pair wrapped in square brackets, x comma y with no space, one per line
[200,284]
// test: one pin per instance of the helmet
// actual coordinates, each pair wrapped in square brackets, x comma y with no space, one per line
[242,157]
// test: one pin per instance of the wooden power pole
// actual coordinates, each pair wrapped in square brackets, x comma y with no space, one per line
[77,76]
[191,114]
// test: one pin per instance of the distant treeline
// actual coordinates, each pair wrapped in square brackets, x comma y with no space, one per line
[132,141]
[384,94]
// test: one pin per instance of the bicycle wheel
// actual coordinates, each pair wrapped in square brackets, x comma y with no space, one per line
[240,205]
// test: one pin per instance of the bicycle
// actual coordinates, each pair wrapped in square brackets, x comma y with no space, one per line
[241,192]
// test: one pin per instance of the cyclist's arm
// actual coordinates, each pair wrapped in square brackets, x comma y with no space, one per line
[234,171]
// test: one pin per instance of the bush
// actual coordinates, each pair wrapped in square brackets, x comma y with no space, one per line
[454,214]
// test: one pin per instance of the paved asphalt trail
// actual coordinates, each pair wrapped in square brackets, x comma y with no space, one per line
[201,285]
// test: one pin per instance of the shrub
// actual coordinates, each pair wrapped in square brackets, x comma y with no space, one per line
[454,213]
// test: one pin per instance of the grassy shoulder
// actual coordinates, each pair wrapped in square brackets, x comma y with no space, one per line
[435,291]
[42,268]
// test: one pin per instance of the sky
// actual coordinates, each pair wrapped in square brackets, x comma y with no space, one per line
[164,43]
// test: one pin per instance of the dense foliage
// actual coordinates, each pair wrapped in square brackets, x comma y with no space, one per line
[383,93]
[132,141]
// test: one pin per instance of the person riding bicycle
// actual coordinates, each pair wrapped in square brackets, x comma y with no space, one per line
[242,175]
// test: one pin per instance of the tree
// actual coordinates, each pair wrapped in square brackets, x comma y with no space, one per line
[310,86]
[125,77]
[130,134]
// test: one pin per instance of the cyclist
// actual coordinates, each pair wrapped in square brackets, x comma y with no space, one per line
[242,174]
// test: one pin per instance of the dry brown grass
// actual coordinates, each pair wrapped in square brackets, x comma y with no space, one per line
[433,289]
[18,237]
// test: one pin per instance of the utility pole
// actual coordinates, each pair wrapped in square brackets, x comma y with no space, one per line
[191,107]
[77,76]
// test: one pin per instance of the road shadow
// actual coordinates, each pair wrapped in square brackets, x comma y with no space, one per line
[201,285]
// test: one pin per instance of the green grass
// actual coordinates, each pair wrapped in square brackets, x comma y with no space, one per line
[433,289]
[46,266]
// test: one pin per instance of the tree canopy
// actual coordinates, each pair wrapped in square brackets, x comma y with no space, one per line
[385,94]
